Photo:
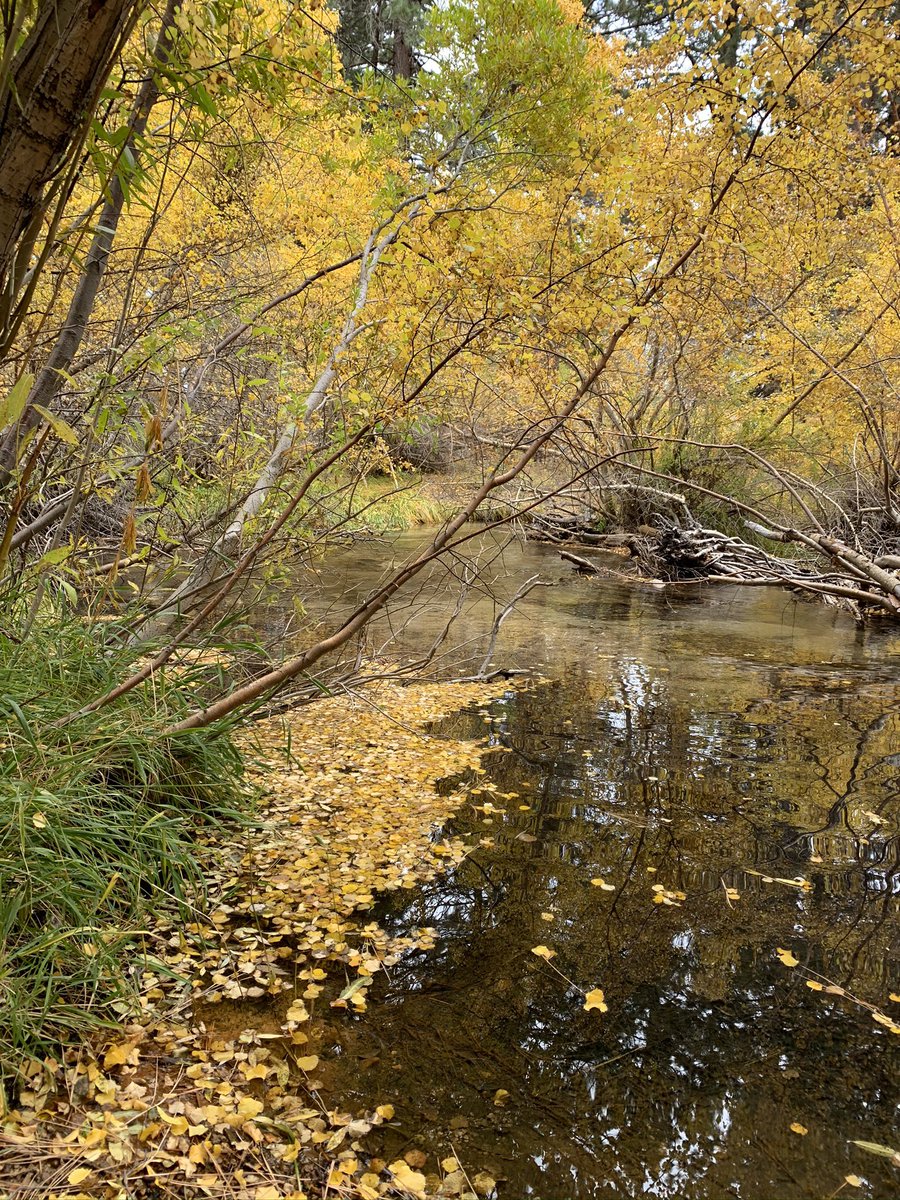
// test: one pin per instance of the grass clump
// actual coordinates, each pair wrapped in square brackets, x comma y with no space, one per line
[98,821]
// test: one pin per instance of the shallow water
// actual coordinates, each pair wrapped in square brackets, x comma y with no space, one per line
[685,741]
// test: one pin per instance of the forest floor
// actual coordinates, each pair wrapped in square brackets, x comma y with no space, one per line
[213,1086]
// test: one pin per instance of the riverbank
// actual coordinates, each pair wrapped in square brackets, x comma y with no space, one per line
[214,1085]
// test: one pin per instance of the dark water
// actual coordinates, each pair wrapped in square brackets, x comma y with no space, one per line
[693,742]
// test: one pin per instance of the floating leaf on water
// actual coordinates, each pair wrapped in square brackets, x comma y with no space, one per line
[877,1148]
[601,883]
[595,999]
[308,1063]
[816,987]
[483,1183]
[543,952]
[787,957]
[449,1164]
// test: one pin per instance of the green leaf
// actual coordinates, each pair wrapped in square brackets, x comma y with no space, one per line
[61,428]
[52,557]
[14,405]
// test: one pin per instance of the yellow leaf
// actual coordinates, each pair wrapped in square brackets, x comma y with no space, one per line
[895,997]
[309,1063]
[796,1127]
[595,999]
[548,916]
[543,952]
[816,987]
[117,1055]
[267,1192]
[38,820]
[386,1111]
[61,428]
[601,883]
[248,1107]
[853,1180]
[449,1164]
[500,1097]
[178,1124]
[79,1175]
[786,957]
[412,1180]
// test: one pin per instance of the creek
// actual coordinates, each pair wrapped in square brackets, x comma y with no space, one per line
[735,753]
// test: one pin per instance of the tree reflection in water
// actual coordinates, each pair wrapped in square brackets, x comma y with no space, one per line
[699,766]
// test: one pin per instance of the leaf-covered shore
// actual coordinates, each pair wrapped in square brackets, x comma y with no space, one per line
[214,1087]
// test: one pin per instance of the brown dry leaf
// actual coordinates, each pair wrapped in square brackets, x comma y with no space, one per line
[416,1158]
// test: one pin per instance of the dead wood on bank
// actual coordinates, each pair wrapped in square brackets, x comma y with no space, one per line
[694,554]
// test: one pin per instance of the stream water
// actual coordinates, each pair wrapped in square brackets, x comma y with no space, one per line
[684,744]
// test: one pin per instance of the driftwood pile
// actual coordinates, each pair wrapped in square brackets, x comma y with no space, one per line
[693,554]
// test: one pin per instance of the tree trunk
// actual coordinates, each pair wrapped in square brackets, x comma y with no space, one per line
[47,98]
[50,379]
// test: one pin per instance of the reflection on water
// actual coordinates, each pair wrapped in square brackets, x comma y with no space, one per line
[693,744]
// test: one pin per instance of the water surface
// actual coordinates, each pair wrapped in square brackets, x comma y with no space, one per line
[687,741]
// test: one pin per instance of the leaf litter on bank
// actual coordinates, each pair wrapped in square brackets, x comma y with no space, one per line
[211,1088]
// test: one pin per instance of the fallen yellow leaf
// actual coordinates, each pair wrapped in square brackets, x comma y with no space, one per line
[309,1063]
[79,1175]
[796,1127]
[412,1180]
[543,952]
[787,957]
[595,999]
